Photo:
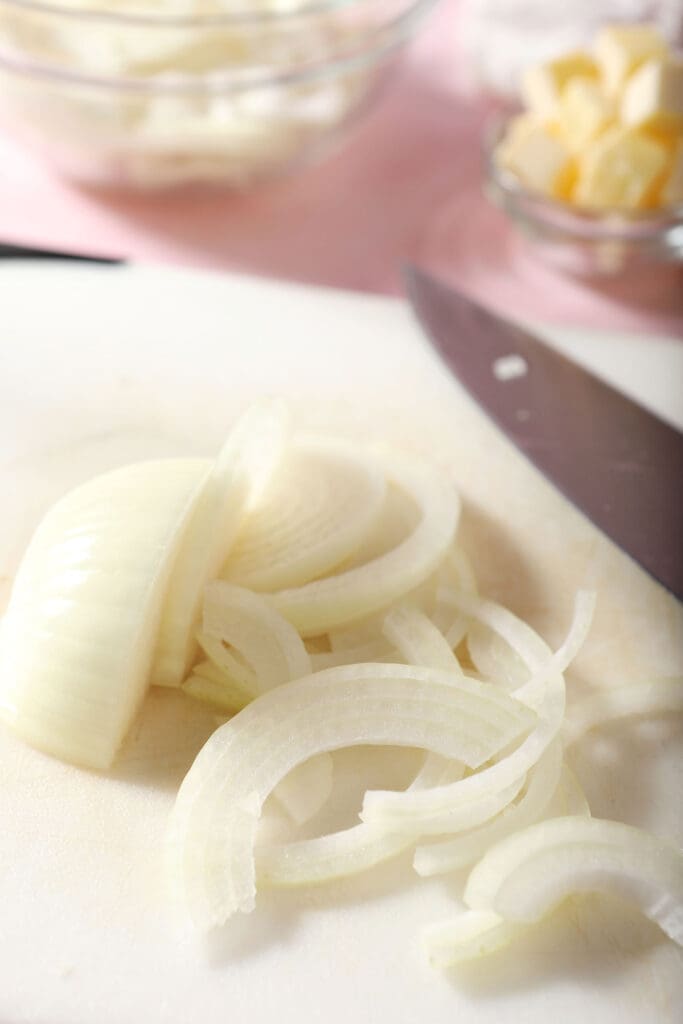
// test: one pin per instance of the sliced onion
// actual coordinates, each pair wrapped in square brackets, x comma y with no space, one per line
[371,650]
[311,861]
[658,695]
[469,846]
[306,788]
[418,640]
[328,603]
[229,663]
[213,826]
[241,472]
[529,873]
[337,855]
[322,503]
[467,936]
[209,684]
[266,641]
[569,798]
[78,635]
[455,573]
[430,811]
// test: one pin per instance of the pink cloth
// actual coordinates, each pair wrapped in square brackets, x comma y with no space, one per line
[406,187]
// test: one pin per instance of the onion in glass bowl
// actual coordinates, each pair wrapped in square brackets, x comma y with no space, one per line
[151,96]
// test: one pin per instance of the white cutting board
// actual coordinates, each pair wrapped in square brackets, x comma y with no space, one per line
[103,366]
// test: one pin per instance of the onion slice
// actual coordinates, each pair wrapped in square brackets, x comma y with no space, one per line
[467,936]
[323,501]
[269,644]
[468,847]
[213,824]
[532,871]
[431,810]
[328,603]
[240,474]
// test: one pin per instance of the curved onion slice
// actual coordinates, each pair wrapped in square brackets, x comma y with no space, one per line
[275,652]
[311,861]
[323,501]
[78,635]
[665,694]
[418,640]
[529,873]
[328,603]
[212,685]
[455,573]
[430,810]
[241,472]
[467,936]
[467,847]
[306,788]
[363,846]
[213,825]
[265,640]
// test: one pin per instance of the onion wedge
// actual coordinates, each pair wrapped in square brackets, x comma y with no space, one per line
[335,601]
[79,632]
[213,825]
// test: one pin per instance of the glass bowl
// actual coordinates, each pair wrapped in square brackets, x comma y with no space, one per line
[141,96]
[581,241]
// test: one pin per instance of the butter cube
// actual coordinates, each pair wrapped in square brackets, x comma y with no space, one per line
[540,160]
[543,84]
[621,49]
[584,113]
[623,168]
[672,190]
[653,96]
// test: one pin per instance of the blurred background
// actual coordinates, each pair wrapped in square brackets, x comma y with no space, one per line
[322,141]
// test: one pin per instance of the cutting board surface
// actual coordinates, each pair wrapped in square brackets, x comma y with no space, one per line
[103,366]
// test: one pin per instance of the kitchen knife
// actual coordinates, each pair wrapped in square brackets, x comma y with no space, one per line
[621,465]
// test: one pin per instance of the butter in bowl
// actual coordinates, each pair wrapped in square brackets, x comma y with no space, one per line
[142,95]
[592,168]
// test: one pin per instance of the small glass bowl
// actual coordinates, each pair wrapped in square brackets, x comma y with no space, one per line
[581,241]
[127,97]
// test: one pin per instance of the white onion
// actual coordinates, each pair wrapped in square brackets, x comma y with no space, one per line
[321,505]
[78,635]
[240,474]
[529,873]
[209,684]
[430,810]
[467,936]
[213,826]
[418,640]
[328,603]
[268,643]
[469,846]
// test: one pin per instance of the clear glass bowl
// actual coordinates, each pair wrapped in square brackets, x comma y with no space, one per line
[579,241]
[142,97]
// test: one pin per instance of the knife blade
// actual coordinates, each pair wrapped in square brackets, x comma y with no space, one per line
[618,463]
[22,252]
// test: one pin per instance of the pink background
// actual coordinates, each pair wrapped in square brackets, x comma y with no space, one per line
[405,187]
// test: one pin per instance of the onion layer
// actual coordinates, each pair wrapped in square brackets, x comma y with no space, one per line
[213,826]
